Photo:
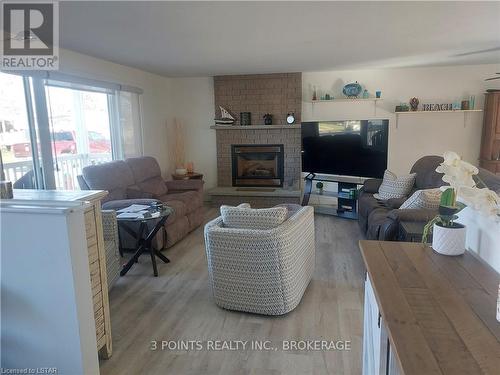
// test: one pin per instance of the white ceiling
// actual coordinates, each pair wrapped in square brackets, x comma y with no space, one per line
[211,38]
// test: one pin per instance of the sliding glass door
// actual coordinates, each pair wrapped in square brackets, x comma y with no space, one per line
[51,129]
[80,131]
[19,143]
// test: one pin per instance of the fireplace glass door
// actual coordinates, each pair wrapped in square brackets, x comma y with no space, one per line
[257,165]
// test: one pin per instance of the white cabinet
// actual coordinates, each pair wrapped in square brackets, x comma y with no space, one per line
[377,356]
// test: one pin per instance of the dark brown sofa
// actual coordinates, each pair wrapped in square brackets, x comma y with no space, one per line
[138,180]
[379,220]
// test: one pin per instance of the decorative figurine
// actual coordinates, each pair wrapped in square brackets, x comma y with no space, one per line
[366,95]
[268,119]
[225,118]
[414,104]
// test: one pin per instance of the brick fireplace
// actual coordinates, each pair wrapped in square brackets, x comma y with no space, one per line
[259,164]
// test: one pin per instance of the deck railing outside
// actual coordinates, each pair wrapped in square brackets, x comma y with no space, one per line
[67,168]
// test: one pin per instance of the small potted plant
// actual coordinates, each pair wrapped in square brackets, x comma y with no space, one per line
[319,186]
[448,235]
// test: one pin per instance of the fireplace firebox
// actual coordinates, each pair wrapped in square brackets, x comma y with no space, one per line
[257,165]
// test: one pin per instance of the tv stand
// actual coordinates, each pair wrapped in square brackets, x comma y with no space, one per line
[347,206]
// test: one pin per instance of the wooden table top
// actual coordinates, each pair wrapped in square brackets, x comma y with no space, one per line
[439,311]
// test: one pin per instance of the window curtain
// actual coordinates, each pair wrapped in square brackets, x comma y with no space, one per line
[129,105]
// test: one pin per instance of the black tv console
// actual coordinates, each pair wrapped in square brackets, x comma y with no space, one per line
[346,194]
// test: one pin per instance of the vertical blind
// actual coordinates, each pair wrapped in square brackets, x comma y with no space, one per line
[129,104]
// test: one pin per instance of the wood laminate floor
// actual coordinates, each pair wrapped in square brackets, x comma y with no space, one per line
[178,305]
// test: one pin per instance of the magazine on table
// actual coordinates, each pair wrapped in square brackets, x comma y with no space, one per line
[137,211]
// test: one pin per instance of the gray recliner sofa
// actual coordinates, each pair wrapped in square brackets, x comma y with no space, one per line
[379,220]
[138,180]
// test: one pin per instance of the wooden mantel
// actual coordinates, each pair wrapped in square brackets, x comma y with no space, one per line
[439,311]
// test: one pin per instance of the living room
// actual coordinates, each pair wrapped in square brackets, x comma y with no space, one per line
[320,198]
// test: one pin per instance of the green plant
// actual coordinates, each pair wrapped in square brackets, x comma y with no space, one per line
[448,208]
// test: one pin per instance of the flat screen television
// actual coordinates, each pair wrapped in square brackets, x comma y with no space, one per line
[349,148]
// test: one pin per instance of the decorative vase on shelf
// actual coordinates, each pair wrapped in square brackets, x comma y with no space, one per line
[190,167]
[366,95]
[449,240]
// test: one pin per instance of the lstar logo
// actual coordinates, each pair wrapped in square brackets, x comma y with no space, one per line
[30,36]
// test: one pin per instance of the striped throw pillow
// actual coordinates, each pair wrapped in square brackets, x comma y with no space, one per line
[395,186]
[428,198]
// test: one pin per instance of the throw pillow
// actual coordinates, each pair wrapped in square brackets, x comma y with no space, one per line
[395,187]
[250,218]
[428,198]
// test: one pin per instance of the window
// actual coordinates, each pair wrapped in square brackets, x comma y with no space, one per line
[78,123]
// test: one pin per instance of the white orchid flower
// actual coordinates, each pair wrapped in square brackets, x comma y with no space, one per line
[486,201]
[456,172]
[459,175]
[450,157]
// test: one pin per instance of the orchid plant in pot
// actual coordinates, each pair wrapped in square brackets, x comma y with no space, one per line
[462,190]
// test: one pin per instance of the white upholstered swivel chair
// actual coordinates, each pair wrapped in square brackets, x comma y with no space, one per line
[262,271]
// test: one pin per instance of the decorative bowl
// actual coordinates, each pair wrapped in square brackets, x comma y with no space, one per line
[181,171]
[352,89]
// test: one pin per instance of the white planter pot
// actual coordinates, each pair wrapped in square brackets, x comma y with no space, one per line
[181,171]
[449,241]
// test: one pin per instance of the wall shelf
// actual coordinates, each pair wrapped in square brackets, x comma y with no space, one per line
[464,111]
[346,100]
[448,111]
[349,100]
[254,127]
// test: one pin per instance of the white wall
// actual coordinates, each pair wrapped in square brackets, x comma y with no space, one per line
[483,236]
[156,98]
[416,135]
[47,317]
[193,107]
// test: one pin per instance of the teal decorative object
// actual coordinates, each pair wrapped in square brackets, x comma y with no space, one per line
[366,95]
[352,90]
